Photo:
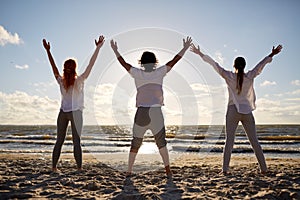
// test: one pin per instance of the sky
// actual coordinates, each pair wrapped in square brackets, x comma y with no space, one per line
[193,92]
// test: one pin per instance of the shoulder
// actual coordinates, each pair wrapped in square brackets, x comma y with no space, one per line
[162,69]
[135,71]
[80,79]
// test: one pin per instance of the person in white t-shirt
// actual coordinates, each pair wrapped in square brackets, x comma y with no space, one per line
[72,102]
[149,99]
[241,103]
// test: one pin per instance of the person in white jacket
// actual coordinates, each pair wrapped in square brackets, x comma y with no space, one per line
[241,102]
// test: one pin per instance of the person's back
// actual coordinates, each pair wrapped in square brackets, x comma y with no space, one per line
[241,103]
[149,86]
[149,99]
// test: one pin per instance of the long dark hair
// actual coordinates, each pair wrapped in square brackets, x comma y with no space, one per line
[69,74]
[239,65]
[148,61]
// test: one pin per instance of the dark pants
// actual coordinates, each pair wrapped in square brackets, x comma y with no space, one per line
[148,118]
[62,124]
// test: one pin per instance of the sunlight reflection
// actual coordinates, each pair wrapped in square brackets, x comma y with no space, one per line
[148,148]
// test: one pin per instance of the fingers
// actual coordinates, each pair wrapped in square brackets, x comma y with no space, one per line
[101,38]
[187,42]
[277,49]
[100,41]
[189,39]
[46,44]
[113,45]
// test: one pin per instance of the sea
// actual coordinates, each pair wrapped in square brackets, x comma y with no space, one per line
[276,140]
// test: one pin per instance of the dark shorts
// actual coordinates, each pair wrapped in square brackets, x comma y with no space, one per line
[149,118]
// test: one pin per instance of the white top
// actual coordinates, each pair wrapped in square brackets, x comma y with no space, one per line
[245,101]
[73,99]
[149,86]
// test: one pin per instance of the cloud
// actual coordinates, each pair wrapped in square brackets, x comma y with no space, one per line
[295,82]
[8,38]
[267,83]
[22,66]
[115,105]
[278,111]
[295,92]
[22,108]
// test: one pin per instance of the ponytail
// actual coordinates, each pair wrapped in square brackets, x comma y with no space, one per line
[239,80]
[239,65]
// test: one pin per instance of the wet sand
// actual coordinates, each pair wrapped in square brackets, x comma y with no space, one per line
[103,177]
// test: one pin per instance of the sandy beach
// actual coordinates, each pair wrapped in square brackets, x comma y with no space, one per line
[194,177]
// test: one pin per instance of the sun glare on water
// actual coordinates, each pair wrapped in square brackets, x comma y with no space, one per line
[148,148]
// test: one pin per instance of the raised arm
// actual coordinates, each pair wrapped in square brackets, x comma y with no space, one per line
[53,65]
[88,69]
[114,47]
[186,44]
[260,66]
[220,70]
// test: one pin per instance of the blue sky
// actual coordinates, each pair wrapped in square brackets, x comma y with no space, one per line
[223,29]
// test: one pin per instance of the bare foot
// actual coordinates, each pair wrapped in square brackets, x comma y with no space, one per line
[128,174]
[55,170]
[225,173]
[169,175]
[264,172]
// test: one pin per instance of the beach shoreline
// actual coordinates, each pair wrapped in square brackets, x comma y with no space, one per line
[103,177]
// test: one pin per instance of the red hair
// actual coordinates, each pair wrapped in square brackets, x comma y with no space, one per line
[69,74]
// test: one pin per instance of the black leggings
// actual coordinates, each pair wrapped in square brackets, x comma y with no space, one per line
[62,124]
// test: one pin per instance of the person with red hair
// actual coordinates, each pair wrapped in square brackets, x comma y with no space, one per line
[72,102]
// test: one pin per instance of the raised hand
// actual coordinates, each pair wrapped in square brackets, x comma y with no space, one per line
[100,41]
[187,43]
[195,49]
[276,50]
[46,44]
[114,45]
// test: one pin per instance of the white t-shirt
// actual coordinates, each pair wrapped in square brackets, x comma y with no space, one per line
[245,101]
[73,99]
[149,86]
